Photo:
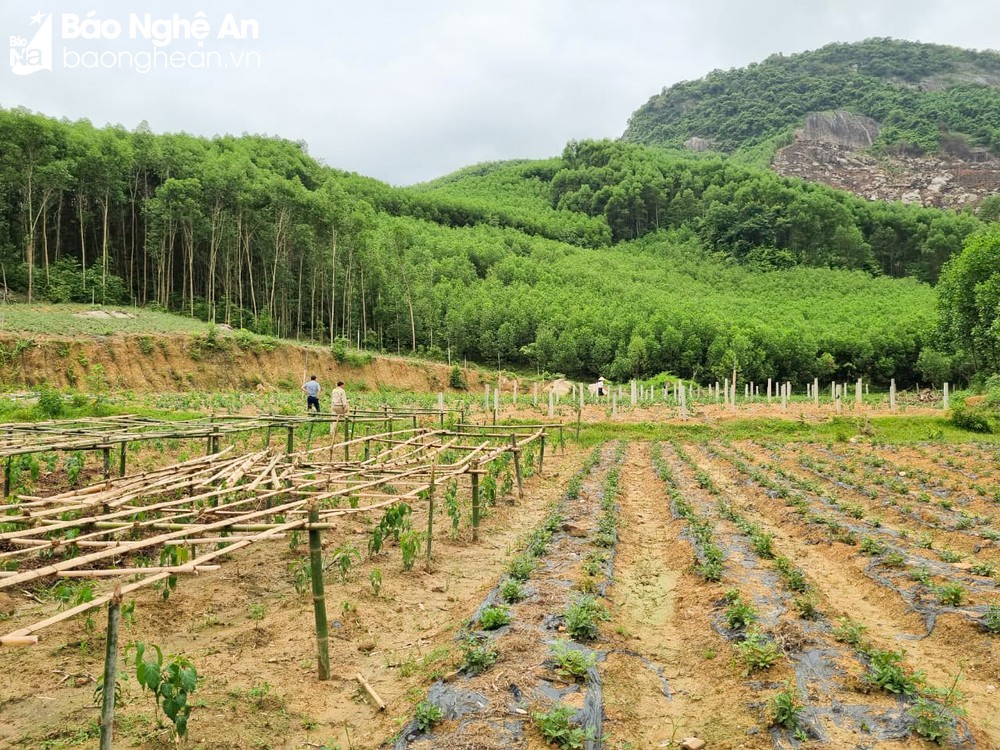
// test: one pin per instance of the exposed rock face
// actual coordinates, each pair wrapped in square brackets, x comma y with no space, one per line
[696,144]
[829,149]
[841,128]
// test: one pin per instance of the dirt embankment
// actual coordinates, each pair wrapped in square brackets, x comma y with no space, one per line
[181,363]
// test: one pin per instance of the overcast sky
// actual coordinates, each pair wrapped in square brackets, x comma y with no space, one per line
[407,91]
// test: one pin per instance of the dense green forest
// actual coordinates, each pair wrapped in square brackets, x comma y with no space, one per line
[613,258]
[926,96]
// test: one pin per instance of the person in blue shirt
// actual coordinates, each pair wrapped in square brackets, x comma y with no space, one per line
[312,389]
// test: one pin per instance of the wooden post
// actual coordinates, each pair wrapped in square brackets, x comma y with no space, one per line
[110,669]
[430,520]
[309,437]
[290,442]
[367,448]
[517,466]
[496,404]
[319,597]
[106,450]
[6,476]
[475,500]
[441,409]
[486,396]
[945,401]
[121,459]
[541,452]
[515,393]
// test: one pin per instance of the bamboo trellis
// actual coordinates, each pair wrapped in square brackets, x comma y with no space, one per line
[229,500]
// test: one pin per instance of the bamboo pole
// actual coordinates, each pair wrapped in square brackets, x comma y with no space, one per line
[370,691]
[516,451]
[319,598]
[18,640]
[110,670]
[474,471]
[430,521]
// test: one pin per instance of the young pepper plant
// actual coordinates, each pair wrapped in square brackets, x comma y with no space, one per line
[170,683]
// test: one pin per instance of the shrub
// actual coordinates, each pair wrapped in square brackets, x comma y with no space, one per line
[50,403]
[456,379]
[973,420]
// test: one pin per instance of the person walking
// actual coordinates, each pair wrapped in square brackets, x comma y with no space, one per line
[338,405]
[338,399]
[312,389]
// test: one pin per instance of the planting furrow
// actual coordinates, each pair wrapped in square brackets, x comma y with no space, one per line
[928,585]
[822,705]
[528,647]
[666,676]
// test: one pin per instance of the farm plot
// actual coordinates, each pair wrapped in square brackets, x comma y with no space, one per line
[221,504]
[753,595]
[898,605]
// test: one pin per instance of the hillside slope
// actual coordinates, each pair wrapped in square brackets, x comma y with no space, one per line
[927,113]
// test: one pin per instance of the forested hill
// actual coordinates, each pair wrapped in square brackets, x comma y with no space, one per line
[922,95]
[612,258]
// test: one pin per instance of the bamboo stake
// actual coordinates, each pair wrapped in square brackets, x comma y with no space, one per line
[110,670]
[319,600]
[430,521]
[475,500]
[517,466]
[18,640]
[371,692]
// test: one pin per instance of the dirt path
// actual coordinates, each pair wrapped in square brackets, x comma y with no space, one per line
[663,616]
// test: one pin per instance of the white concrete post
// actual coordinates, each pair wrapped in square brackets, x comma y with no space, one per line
[634,392]
[816,392]
[892,395]
[857,393]
[945,402]
[552,405]
[515,393]
[486,404]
